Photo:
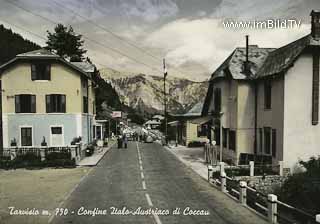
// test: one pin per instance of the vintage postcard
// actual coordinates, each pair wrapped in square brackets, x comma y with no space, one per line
[159,111]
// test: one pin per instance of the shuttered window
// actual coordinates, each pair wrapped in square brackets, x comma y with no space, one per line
[267,95]
[217,100]
[315,90]
[232,140]
[56,103]
[26,136]
[274,142]
[25,103]
[267,140]
[41,71]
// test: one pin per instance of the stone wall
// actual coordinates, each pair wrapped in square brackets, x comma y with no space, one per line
[266,184]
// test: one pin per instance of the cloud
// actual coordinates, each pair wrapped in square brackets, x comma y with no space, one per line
[149,10]
[205,41]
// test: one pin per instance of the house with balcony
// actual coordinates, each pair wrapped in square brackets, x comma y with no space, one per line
[267,101]
[46,98]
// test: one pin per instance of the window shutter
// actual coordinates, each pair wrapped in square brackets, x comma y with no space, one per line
[63,103]
[33,103]
[17,104]
[33,72]
[274,142]
[315,90]
[48,103]
[48,72]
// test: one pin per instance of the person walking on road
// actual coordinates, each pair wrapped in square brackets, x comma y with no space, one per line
[119,139]
[125,140]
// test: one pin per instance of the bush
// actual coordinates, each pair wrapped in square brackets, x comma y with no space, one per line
[195,144]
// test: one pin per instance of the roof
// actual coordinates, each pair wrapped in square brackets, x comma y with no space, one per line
[284,57]
[235,62]
[201,120]
[43,54]
[85,66]
[152,122]
[195,110]
[160,117]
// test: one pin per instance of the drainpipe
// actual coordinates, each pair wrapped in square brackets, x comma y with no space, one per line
[255,83]
[88,121]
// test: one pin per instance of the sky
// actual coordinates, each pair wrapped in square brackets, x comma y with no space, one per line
[135,35]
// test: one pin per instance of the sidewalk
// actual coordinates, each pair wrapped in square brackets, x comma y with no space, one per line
[191,157]
[96,157]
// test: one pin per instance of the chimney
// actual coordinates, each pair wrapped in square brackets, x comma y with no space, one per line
[315,24]
[246,63]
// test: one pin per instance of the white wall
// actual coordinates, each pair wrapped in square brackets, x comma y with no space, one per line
[301,138]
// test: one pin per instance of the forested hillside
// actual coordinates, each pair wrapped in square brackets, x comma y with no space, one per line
[12,44]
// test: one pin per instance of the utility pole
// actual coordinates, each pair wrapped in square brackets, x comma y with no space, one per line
[165,73]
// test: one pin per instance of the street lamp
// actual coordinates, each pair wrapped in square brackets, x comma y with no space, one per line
[165,73]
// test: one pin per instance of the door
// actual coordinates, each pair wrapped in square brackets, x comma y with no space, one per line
[57,136]
[99,132]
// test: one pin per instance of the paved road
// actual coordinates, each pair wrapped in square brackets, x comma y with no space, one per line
[148,176]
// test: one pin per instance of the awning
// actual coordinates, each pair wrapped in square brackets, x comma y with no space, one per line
[201,120]
[173,123]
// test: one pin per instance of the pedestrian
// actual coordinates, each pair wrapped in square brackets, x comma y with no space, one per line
[125,140]
[119,139]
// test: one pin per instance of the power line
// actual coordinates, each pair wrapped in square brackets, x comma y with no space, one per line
[112,33]
[85,37]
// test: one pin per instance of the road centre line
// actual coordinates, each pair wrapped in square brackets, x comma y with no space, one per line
[149,199]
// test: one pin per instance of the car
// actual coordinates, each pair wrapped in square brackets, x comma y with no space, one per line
[148,139]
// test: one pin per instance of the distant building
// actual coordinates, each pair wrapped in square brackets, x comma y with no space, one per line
[46,97]
[190,127]
[158,118]
[152,124]
[270,101]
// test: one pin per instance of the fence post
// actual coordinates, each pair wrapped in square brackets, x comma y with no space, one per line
[280,168]
[13,153]
[210,169]
[318,218]
[251,164]
[243,192]
[272,208]
[221,168]
[42,154]
[223,180]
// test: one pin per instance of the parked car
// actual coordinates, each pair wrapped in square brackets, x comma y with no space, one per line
[148,139]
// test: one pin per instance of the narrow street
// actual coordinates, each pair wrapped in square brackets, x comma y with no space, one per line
[148,176]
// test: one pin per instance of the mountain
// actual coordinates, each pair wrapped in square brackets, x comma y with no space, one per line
[145,92]
[12,44]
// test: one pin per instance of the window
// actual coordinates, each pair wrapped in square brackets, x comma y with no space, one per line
[25,103]
[224,137]
[232,140]
[217,135]
[315,90]
[56,137]
[56,103]
[267,95]
[202,130]
[40,71]
[267,140]
[217,100]
[85,104]
[26,136]
[274,142]
[261,140]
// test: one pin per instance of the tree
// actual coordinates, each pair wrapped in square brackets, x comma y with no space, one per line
[66,43]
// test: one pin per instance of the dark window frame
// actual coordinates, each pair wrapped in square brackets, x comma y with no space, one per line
[56,103]
[85,104]
[41,71]
[267,140]
[25,103]
[26,142]
[225,137]
[274,142]
[232,139]
[267,95]
[217,99]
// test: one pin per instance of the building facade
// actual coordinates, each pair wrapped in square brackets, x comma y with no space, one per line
[269,101]
[46,99]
